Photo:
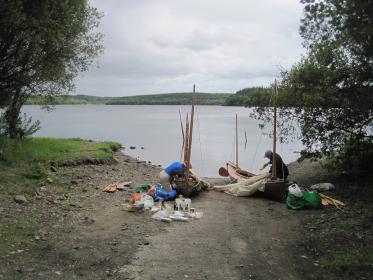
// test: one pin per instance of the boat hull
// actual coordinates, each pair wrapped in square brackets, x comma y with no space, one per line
[237,173]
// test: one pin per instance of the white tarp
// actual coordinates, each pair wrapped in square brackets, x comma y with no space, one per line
[245,187]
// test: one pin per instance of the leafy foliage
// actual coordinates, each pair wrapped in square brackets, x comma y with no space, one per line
[250,97]
[24,126]
[43,46]
[331,87]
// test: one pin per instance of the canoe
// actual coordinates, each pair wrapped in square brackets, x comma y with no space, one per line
[237,173]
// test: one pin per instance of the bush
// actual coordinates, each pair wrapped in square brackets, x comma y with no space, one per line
[354,158]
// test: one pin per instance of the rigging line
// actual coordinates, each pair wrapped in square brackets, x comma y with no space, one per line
[200,144]
[256,150]
[182,127]
[261,134]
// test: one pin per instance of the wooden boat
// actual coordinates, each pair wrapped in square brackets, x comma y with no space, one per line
[233,170]
[275,187]
[190,183]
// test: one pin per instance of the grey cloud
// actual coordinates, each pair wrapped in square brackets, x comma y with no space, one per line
[165,45]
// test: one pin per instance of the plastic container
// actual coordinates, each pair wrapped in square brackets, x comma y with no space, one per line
[148,201]
[295,190]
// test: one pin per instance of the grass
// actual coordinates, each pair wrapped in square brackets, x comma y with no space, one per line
[39,149]
[342,242]
[17,234]
[26,163]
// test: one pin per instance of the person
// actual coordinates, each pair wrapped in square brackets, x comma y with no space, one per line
[174,170]
[282,170]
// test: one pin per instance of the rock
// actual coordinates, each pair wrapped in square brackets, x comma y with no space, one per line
[49,180]
[132,147]
[19,269]
[75,204]
[53,168]
[142,148]
[74,182]
[42,188]
[322,187]
[20,199]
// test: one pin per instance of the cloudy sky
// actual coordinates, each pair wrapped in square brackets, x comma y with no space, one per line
[159,46]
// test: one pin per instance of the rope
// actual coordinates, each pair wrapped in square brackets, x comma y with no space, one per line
[256,150]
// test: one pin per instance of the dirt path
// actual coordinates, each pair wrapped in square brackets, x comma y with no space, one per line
[238,238]
[87,234]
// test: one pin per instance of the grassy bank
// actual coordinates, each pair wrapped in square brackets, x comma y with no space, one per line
[25,167]
[25,163]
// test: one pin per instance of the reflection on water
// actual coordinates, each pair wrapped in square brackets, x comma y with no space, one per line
[157,129]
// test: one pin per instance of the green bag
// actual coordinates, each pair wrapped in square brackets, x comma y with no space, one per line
[143,188]
[312,199]
[294,202]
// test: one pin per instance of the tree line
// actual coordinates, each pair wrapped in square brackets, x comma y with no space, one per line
[152,99]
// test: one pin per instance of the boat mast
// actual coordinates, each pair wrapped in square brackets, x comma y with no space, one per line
[186,140]
[190,134]
[274,175]
[236,143]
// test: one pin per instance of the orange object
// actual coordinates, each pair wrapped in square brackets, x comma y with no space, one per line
[151,191]
[136,197]
[110,188]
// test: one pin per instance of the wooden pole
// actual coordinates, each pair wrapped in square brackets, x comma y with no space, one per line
[236,143]
[191,133]
[274,173]
[186,139]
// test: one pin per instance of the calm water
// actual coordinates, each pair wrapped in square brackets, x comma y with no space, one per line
[157,129]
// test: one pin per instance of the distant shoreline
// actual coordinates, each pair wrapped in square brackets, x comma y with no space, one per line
[157,99]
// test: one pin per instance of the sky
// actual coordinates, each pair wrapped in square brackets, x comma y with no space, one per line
[163,46]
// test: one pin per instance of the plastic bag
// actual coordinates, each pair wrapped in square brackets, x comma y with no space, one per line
[143,188]
[160,215]
[161,193]
[312,200]
[178,216]
[294,202]
[148,201]
[136,197]
[295,190]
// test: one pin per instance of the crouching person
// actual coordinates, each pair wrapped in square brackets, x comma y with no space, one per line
[174,170]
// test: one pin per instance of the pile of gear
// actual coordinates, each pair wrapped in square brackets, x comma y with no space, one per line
[168,208]
[162,205]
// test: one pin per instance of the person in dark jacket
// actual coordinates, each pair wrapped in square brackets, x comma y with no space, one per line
[282,170]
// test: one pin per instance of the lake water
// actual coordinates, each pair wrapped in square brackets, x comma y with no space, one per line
[157,129]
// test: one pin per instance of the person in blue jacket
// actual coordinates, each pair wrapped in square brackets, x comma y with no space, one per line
[174,170]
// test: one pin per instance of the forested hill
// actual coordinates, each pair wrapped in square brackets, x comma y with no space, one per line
[156,99]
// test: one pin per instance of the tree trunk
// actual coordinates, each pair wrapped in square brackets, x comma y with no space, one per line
[12,116]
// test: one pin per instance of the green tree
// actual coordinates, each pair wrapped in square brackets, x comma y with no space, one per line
[44,44]
[331,87]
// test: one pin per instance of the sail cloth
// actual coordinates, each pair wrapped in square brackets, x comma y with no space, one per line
[245,187]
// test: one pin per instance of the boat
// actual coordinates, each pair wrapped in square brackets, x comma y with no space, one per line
[232,169]
[275,187]
[190,183]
